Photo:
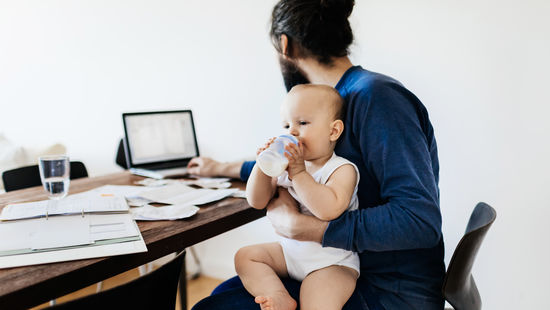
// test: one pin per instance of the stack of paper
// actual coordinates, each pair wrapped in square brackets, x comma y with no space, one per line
[62,238]
[182,199]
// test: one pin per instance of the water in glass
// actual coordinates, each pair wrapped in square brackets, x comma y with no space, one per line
[55,172]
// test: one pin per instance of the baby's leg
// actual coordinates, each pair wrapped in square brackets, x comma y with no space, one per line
[259,267]
[327,288]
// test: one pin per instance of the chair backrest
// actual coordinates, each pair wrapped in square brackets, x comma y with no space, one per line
[29,176]
[155,290]
[459,287]
[121,155]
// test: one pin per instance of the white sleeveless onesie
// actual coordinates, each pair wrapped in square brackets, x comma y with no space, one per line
[304,257]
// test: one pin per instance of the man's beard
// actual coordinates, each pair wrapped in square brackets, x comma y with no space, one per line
[292,75]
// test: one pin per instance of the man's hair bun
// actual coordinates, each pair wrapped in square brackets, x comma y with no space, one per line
[319,27]
[336,9]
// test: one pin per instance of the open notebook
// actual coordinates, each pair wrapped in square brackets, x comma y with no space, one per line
[64,238]
[90,224]
[75,204]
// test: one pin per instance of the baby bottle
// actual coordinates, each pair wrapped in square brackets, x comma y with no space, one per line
[272,160]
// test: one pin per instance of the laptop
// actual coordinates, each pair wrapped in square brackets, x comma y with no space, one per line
[159,144]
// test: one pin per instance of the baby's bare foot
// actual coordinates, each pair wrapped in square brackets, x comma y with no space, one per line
[278,301]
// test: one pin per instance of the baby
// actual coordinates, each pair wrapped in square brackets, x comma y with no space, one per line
[325,185]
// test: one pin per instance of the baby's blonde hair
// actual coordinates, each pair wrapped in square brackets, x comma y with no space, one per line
[333,97]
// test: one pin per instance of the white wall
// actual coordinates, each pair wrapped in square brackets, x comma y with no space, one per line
[69,68]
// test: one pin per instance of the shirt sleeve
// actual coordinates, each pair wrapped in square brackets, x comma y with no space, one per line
[388,125]
[246,169]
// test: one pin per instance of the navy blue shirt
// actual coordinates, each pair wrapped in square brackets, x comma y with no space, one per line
[397,228]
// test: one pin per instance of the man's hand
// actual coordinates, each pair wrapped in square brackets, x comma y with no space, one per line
[288,222]
[203,166]
[207,167]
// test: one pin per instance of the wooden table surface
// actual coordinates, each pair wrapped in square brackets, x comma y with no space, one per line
[24,287]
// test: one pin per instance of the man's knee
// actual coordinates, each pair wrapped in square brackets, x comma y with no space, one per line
[204,304]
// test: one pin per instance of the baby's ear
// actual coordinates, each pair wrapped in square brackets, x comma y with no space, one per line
[337,127]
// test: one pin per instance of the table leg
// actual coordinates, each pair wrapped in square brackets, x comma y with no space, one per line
[182,287]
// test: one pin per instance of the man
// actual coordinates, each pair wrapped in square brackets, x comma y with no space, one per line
[389,137]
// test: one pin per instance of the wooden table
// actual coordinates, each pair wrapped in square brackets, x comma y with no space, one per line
[23,287]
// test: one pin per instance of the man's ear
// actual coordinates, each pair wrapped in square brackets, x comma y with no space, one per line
[337,127]
[284,45]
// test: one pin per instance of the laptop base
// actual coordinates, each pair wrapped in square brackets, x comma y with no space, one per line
[159,174]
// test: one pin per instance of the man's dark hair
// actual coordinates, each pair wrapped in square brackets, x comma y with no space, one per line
[318,28]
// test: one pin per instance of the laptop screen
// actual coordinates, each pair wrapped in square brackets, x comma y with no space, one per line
[159,137]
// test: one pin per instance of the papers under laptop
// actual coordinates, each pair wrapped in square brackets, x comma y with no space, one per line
[159,144]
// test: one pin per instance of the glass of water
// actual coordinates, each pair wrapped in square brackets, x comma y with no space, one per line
[54,173]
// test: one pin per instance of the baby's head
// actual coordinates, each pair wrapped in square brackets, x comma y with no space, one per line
[313,114]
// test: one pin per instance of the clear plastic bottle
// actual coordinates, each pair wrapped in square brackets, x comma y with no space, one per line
[272,160]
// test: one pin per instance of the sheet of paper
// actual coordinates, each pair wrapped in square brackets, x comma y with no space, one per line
[150,182]
[172,212]
[61,231]
[17,235]
[189,197]
[214,183]
[160,194]
[208,195]
[201,182]
[239,194]
[215,180]
[130,192]
[24,210]
[84,203]
[179,194]
[112,226]
[119,190]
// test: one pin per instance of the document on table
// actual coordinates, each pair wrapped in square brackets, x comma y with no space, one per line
[172,212]
[112,227]
[130,192]
[62,238]
[64,231]
[180,194]
[215,183]
[127,191]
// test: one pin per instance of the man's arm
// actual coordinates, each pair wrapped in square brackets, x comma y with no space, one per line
[288,222]
[392,132]
[246,169]
[208,167]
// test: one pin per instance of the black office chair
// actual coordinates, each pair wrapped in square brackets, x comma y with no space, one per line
[121,155]
[459,287]
[29,176]
[155,290]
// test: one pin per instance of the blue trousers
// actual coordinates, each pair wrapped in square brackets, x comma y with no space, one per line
[231,294]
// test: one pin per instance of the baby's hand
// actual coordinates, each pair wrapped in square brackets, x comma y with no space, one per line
[266,145]
[295,155]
